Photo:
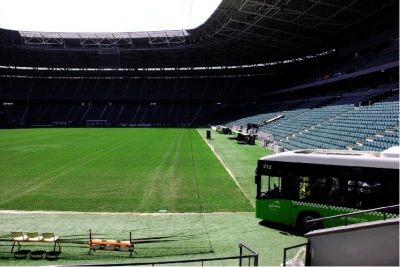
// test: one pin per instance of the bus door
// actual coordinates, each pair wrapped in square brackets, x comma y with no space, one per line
[310,195]
[270,204]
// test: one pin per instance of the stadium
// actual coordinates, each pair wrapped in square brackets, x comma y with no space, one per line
[152,138]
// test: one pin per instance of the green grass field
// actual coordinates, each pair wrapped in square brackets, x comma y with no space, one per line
[99,172]
[114,170]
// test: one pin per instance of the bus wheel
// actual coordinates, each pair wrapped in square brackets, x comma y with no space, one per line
[304,217]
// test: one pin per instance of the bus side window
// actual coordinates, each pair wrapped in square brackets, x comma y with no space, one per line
[333,197]
[392,192]
[362,194]
[350,193]
[290,187]
[321,190]
[314,189]
[304,187]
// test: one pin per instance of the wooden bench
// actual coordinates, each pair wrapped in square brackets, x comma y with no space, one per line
[18,237]
[111,245]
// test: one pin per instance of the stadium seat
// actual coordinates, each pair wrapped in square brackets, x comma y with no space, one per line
[110,246]
[34,236]
[17,237]
[51,237]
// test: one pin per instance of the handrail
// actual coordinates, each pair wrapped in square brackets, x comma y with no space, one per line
[354,213]
[255,254]
[179,262]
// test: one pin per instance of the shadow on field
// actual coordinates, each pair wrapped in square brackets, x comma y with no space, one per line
[175,254]
[75,249]
[283,229]
[157,239]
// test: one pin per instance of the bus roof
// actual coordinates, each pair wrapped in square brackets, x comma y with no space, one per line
[386,159]
[392,152]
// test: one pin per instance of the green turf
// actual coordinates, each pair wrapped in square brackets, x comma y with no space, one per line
[240,159]
[156,237]
[134,170]
[114,170]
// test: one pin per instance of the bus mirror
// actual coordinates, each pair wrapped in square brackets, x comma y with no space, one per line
[257,179]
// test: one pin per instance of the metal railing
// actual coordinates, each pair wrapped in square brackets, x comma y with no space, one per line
[253,255]
[354,213]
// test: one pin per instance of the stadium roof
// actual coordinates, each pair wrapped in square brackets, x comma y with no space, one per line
[238,33]
[105,16]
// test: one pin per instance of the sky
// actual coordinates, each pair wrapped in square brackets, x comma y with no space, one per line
[104,16]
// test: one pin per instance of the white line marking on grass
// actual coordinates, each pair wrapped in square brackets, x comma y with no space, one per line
[223,164]
[112,213]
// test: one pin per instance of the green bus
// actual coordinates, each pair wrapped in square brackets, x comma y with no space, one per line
[296,186]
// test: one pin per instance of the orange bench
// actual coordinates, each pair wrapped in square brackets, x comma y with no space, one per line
[110,245]
[18,237]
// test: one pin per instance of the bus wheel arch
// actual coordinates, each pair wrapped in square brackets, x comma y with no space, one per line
[305,216]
